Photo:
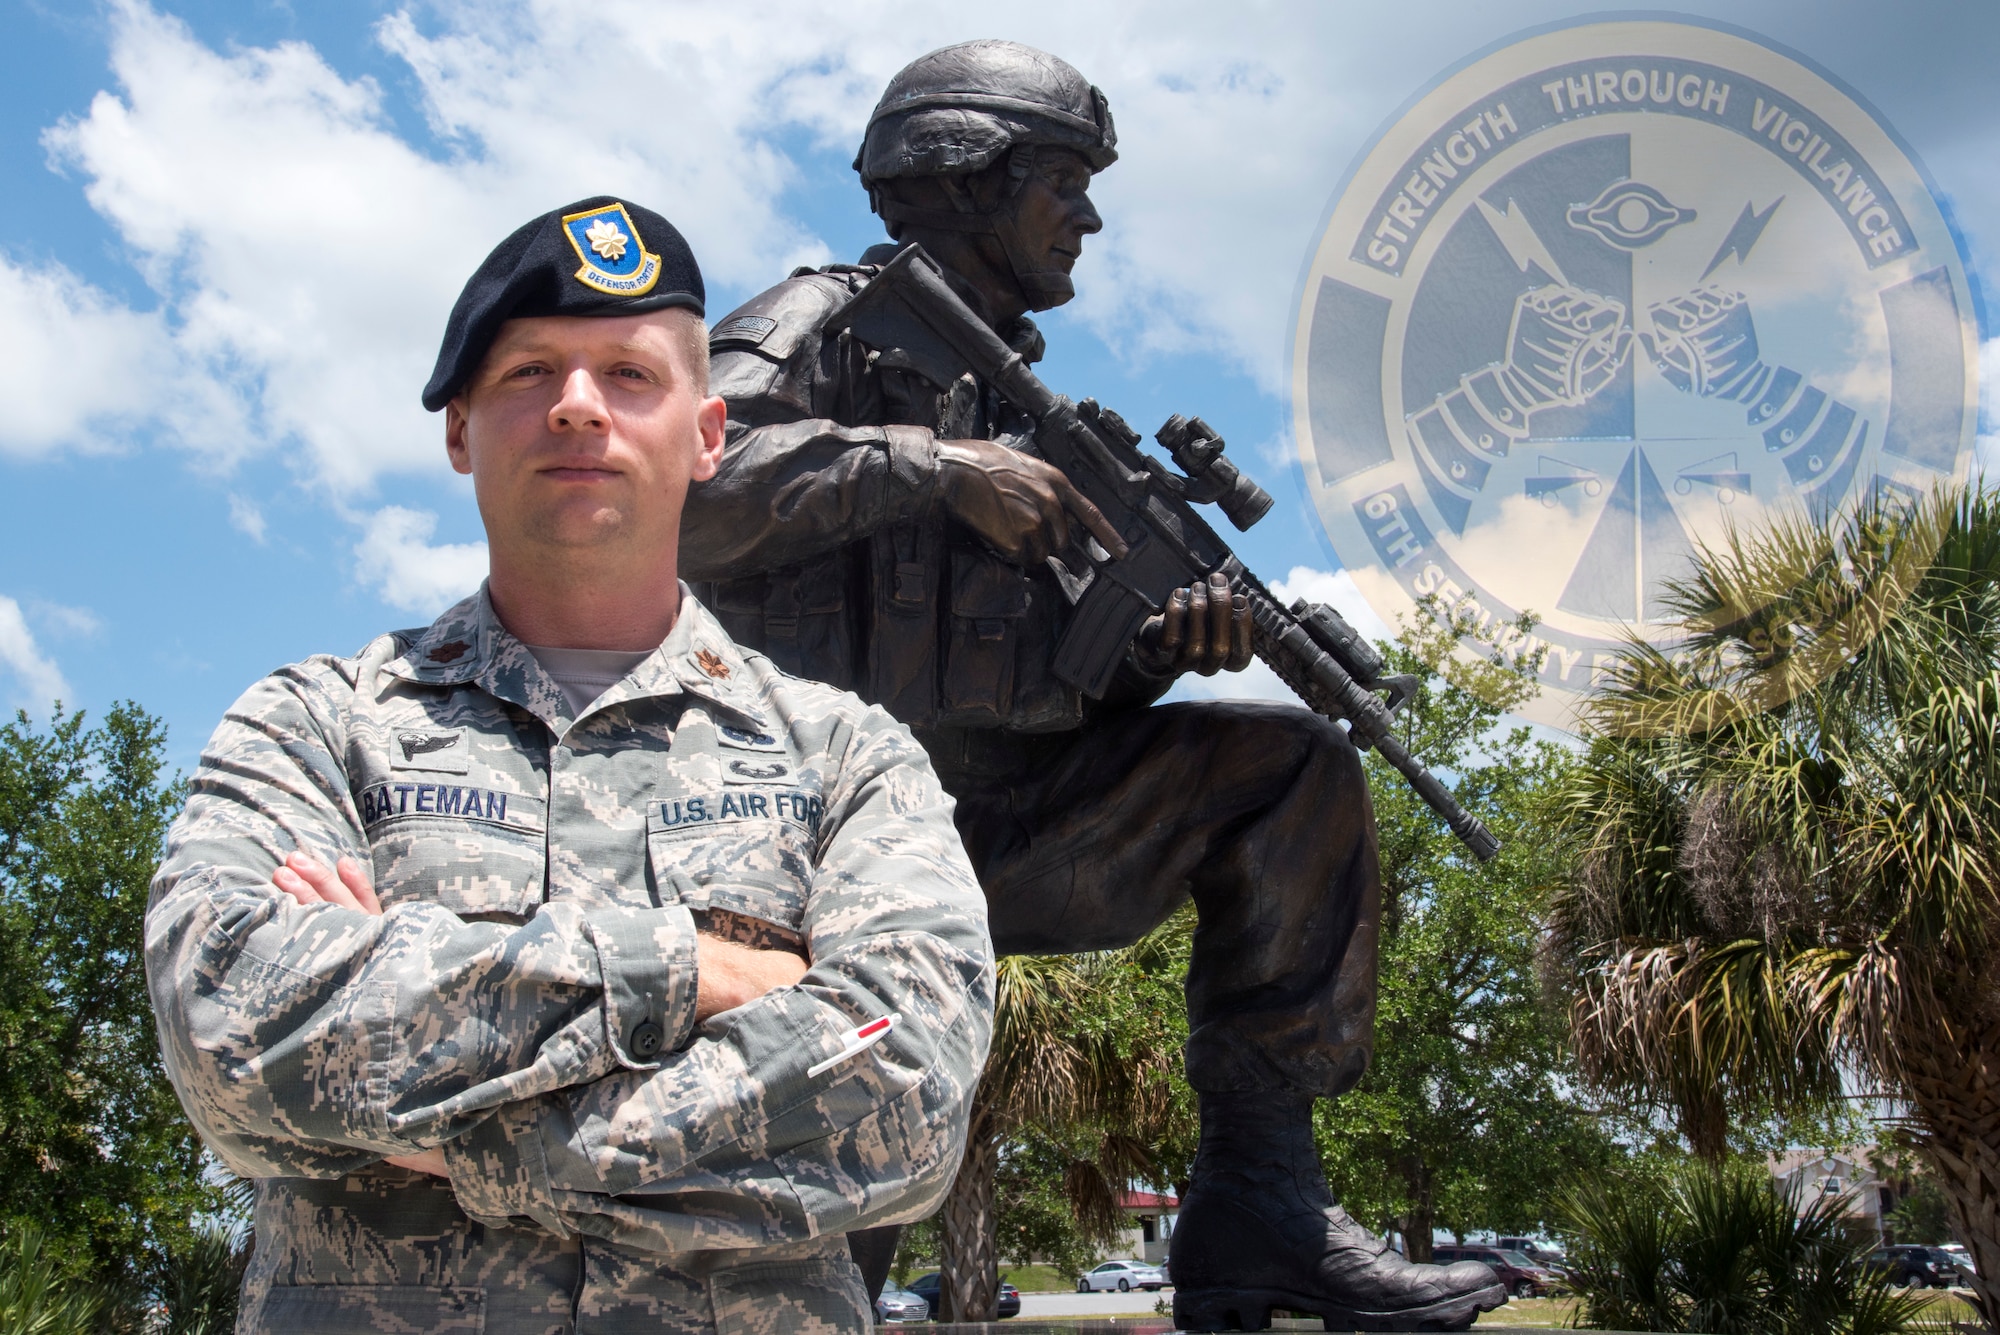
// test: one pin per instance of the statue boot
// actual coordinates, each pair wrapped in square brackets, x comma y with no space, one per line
[1260,1230]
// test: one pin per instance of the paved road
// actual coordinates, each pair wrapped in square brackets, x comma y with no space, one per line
[1136,1303]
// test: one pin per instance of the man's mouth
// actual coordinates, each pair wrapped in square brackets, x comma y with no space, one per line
[578,472]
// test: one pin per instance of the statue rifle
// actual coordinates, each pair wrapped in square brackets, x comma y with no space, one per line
[908,306]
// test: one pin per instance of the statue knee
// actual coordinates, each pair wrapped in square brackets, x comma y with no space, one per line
[1329,754]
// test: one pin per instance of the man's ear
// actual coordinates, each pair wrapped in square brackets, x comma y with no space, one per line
[711,418]
[457,423]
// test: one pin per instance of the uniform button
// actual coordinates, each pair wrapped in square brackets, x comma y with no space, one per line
[646,1038]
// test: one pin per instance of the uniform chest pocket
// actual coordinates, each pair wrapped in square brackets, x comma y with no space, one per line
[475,851]
[739,850]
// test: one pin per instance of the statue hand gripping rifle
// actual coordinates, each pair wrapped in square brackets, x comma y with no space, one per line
[902,510]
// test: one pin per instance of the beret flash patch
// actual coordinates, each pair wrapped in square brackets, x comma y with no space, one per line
[608,244]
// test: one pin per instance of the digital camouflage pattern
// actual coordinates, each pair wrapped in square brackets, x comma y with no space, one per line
[526,1001]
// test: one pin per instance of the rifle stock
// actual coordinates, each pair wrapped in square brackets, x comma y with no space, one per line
[908,305]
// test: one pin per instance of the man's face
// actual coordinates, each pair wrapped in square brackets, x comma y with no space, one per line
[1053,212]
[582,431]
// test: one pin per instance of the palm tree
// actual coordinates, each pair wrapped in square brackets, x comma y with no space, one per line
[1786,843]
[1722,1248]
[1060,1058]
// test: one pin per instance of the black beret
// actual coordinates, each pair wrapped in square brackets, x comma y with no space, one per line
[598,256]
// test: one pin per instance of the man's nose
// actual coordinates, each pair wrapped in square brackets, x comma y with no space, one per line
[581,407]
[1084,217]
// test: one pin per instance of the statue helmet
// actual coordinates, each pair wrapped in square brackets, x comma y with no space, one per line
[961,108]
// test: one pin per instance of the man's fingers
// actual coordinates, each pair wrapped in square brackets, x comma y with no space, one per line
[1093,518]
[310,881]
[355,878]
[430,1161]
[1196,653]
[1218,620]
[296,886]
[1173,624]
[1240,648]
[326,881]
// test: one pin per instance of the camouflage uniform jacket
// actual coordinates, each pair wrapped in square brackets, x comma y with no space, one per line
[826,538]
[526,1000]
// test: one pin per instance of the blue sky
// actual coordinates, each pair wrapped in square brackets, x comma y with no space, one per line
[230,233]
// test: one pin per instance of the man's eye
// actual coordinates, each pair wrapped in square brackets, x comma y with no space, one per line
[522,372]
[631,373]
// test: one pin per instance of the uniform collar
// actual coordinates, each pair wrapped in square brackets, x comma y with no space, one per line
[697,658]
[468,644]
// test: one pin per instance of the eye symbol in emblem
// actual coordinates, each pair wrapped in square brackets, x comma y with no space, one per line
[749,771]
[1628,215]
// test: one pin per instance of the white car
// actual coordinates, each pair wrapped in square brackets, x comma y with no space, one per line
[899,1304]
[1122,1276]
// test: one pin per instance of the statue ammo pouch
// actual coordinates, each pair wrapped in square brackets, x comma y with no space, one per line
[733,830]
[995,674]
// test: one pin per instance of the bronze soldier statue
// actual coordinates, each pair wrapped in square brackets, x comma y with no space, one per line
[892,536]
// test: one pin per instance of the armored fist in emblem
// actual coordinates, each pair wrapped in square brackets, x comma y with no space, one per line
[883,528]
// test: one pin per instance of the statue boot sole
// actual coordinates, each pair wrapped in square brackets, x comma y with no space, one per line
[1250,1309]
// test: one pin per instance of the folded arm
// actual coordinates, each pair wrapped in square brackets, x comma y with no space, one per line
[736,1141]
[311,1040]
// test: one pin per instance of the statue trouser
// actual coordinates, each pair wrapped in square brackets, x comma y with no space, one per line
[1258,813]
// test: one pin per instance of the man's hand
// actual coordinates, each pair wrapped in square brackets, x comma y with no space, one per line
[1020,505]
[728,975]
[1203,628]
[307,880]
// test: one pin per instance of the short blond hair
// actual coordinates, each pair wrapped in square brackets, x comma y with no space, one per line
[690,334]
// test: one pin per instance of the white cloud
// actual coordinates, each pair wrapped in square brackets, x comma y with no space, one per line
[1986,457]
[38,682]
[63,619]
[307,253]
[246,518]
[1337,589]
[76,368]
[396,558]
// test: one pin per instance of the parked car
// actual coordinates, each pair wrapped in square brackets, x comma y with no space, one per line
[1523,1278]
[926,1287]
[1548,1258]
[900,1304]
[1909,1266]
[1951,1267]
[1124,1276]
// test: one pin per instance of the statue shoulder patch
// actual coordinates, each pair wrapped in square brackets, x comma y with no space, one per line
[778,322]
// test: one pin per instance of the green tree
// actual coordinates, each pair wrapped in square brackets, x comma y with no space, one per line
[41,1296]
[1720,1247]
[1786,842]
[93,1147]
[1465,1118]
[1037,1186]
[1077,1052]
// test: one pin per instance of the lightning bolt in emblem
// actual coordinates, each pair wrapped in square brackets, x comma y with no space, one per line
[1513,230]
[1743,234]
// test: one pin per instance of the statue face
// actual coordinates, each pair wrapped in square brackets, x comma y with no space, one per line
[1052,211]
